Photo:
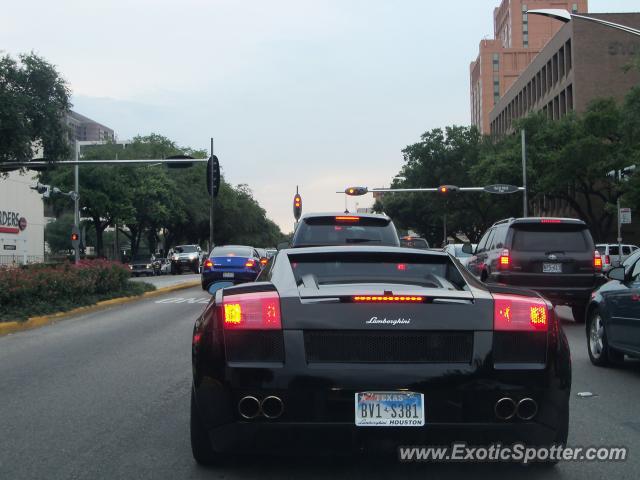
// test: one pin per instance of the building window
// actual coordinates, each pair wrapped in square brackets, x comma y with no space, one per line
[525,40]
[574,8]
[570,98]
[569,60]
[496,89]
[496,62]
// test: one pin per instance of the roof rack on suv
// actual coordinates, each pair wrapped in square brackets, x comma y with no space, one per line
[506,220]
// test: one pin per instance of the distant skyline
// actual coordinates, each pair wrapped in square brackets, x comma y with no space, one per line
[320,94]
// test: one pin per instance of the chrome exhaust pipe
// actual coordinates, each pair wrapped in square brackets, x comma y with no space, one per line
[505,408]
[527,409]
[249,407]
[272,407]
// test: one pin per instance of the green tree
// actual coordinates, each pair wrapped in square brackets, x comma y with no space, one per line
[34,100]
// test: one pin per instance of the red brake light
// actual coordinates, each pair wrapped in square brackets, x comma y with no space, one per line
[504,261]
[550,220]
[514,312]
[402,266]
[607,260]
[388,298]
[208,263]
[347,219]
[250,263]
[252,311]
[263,261]
[597,260]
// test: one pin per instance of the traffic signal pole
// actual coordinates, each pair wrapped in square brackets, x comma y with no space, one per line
[76,201]
[211,203]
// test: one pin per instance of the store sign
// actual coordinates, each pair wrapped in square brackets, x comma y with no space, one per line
[12,222]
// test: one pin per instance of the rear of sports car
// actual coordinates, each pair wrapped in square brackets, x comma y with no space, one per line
[372,347]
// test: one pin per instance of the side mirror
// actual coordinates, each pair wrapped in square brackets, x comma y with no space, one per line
[467,248]
[283,245]
[214,287]
[617,274]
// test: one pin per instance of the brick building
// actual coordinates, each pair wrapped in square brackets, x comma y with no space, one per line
[517,39]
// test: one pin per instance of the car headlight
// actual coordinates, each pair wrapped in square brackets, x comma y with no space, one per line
[175,257]
[130,267]
[193,256]
[149,265]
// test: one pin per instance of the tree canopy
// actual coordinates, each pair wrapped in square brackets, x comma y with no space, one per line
[34,100]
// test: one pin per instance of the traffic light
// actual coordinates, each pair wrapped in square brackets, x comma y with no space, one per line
[356,191]
[75,237]
[213,176]
[41,189]
[297,206]
[444,189]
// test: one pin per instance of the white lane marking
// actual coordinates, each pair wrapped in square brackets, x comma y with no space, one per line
[201,300]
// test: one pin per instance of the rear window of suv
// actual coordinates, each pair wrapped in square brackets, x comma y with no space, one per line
[347,230]
[549,240]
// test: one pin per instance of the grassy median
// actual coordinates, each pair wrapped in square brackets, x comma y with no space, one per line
[45,289]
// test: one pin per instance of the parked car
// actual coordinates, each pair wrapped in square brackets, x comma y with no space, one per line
[234,263]
[457,250]
[553,256]
[414,242]
[325,229]
[613,317]
[611,254]
[185,257]
[337,348]
[144,264]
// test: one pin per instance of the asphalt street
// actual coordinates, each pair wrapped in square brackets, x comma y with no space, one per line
[162,281]
[106,395]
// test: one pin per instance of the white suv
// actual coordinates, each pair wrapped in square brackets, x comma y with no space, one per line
[611,254]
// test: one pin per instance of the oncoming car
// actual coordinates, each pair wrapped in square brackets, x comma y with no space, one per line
[356,347]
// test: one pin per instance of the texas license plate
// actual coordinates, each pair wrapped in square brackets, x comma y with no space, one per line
[551,268]
[227,274]
[389,409]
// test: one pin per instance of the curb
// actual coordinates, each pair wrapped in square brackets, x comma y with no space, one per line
[7,328]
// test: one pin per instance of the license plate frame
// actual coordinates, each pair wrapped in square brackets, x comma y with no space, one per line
[228,275]
[389,409]
[551,267]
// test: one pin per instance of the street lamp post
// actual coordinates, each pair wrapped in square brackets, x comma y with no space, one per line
[566,17]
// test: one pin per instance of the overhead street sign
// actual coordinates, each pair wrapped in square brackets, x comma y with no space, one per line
[501,188]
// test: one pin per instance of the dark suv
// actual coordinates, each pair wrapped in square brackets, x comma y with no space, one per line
[553,256]
[322,229]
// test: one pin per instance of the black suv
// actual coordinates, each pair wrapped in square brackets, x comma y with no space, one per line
[322,229]
[553,256]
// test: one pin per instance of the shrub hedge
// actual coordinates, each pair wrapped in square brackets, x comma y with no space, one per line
[41,289]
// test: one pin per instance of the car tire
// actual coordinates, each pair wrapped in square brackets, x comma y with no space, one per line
[201,448]
[205,286]
[600,353]
[579,313]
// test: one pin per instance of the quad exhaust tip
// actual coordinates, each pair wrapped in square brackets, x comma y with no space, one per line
[249,407]
[272,407]
[505,408]
[527,409]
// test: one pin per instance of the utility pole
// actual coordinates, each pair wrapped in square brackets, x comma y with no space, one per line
[619,172]
[524,174]
[211,204]
[76,200]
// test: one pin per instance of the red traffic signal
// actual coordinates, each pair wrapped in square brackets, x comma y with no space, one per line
[297,206]
[74,237]
[356,191]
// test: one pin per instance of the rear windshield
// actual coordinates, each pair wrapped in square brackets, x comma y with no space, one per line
[231,252]
[548,240]
[414,243]
[186,249]
[430,271]
[318,231]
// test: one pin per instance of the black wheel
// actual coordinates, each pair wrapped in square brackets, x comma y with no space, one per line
[205,286]
[579,313]
[201,448]
[600,353]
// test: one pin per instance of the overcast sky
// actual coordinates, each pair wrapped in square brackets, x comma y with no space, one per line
[316,93]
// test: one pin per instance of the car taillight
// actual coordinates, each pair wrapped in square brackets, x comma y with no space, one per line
[504,260]
[388,298]
[208,264]
[347,219]
[597,260]
[252,311]
[515,312]
[607,260]
[263,261]
[550,220]
[250,263]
